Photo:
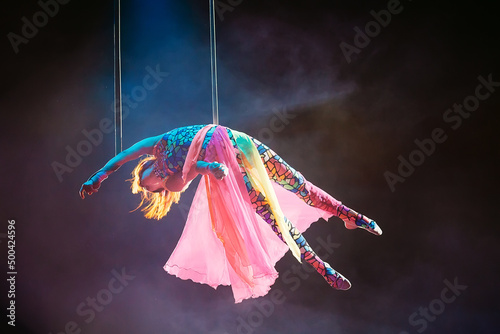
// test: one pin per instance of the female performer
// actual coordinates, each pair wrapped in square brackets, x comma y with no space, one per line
[225,240]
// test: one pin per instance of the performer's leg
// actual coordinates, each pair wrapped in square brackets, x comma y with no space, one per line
[286,176]
[261,206]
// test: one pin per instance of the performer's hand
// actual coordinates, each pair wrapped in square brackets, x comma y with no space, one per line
[89,188]
[218,170]
[93,184]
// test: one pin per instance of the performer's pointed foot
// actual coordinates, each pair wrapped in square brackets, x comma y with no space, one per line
[364,223]
[353,220]
[336,279]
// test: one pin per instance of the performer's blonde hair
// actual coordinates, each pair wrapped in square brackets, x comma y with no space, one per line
[158,203]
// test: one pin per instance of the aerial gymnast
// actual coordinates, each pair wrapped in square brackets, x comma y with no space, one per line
[226,239]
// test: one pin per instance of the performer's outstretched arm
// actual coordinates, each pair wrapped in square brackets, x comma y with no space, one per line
[140,148]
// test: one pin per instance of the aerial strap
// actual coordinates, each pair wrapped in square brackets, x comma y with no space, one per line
[118,80]
[213,61]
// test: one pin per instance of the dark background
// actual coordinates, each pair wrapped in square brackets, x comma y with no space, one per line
[348,122]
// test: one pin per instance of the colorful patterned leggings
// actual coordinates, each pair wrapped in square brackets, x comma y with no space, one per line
[286,176]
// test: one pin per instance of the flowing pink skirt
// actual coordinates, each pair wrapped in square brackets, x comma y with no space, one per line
[224,242]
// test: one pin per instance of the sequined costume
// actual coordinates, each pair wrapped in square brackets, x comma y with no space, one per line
[226,239]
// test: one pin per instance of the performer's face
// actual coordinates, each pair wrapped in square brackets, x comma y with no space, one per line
[149,180]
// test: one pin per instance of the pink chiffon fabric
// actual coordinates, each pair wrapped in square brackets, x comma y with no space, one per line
[224,242]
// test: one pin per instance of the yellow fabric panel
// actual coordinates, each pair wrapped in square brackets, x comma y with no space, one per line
[260,181]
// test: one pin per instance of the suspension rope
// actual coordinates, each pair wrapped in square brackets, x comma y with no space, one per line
[213,61]
[118,80]
[117,74]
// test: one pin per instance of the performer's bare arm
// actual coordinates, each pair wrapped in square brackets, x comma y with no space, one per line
[137,150]
[146,146]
